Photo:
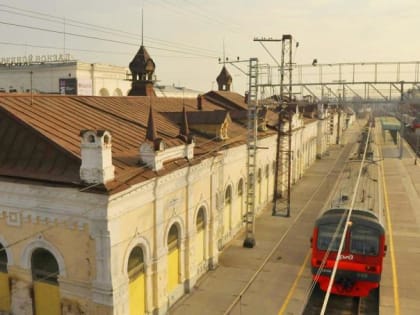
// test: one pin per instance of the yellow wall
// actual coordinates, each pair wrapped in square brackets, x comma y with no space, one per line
[47,299]
[136,295]
[199,246]
[4,292]
[226,218]
[173,267]
[67,241]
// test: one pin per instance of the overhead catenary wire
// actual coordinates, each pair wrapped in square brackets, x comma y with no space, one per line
[98,28]
[103,39]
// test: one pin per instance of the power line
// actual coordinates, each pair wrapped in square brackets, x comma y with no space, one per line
[197,14]
[97,28]
[103,39]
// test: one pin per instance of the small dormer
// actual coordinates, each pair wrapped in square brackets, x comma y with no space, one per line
[153,151]
[214,124]
[96,157]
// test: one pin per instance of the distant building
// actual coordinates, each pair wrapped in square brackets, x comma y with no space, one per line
[63,76]
[52,75]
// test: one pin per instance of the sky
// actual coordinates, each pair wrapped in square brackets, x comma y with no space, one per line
[186,38]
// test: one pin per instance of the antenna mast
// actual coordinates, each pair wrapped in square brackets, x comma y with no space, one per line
[142,29]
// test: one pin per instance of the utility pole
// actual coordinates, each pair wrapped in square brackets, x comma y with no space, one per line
[252,146]
[285,88]
[249,241]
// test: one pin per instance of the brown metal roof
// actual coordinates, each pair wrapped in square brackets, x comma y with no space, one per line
[39,135]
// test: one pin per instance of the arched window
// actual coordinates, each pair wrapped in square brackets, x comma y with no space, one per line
[199,241]
[173,237]
[135,262]
[199,222]
[117,92]
[228,195]
[3,259]
[259,175]
[103,92]
[44,266]
[241,187]
[267,171]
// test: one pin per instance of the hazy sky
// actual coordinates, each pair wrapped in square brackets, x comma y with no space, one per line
[185,37]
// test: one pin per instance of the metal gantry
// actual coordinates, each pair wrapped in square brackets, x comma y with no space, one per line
[358,82]
[252,152]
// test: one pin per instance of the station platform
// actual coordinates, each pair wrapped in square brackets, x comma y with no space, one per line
[400,292]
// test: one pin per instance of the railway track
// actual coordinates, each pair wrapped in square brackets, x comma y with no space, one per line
[342,305]
[332,177]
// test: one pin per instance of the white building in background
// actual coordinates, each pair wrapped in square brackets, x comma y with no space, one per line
[60,74]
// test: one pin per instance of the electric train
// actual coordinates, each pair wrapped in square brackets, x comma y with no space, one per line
[360,264]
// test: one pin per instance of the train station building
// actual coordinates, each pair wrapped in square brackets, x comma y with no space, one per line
[117,205]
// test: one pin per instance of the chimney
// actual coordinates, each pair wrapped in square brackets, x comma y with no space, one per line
[246,98]
[200,102]
[96,157]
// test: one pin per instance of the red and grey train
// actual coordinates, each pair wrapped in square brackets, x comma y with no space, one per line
[360,264]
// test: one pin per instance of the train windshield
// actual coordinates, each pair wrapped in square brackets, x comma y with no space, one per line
[327,235]
[364,241]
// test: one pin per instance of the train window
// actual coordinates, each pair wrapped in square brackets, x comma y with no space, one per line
[364,241]
[326,236]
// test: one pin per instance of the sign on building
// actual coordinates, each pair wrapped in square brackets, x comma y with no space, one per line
[68,86]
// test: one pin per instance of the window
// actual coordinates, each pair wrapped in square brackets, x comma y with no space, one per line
[44,266]
[228,195]
[135,262]
[200,219]
[241,187]
[3,259]
[364,241]
[173,238]
[326,236]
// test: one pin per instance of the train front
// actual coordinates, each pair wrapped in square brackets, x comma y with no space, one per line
[360,262]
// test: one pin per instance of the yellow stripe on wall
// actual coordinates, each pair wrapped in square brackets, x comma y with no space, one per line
[226,219]
[4,292]
[199,246]
[47,299]
[173,267]
[137,295]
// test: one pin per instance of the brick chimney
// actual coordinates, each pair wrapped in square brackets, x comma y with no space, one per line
[96,157]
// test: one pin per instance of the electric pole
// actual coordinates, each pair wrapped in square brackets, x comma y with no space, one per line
[285,68]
